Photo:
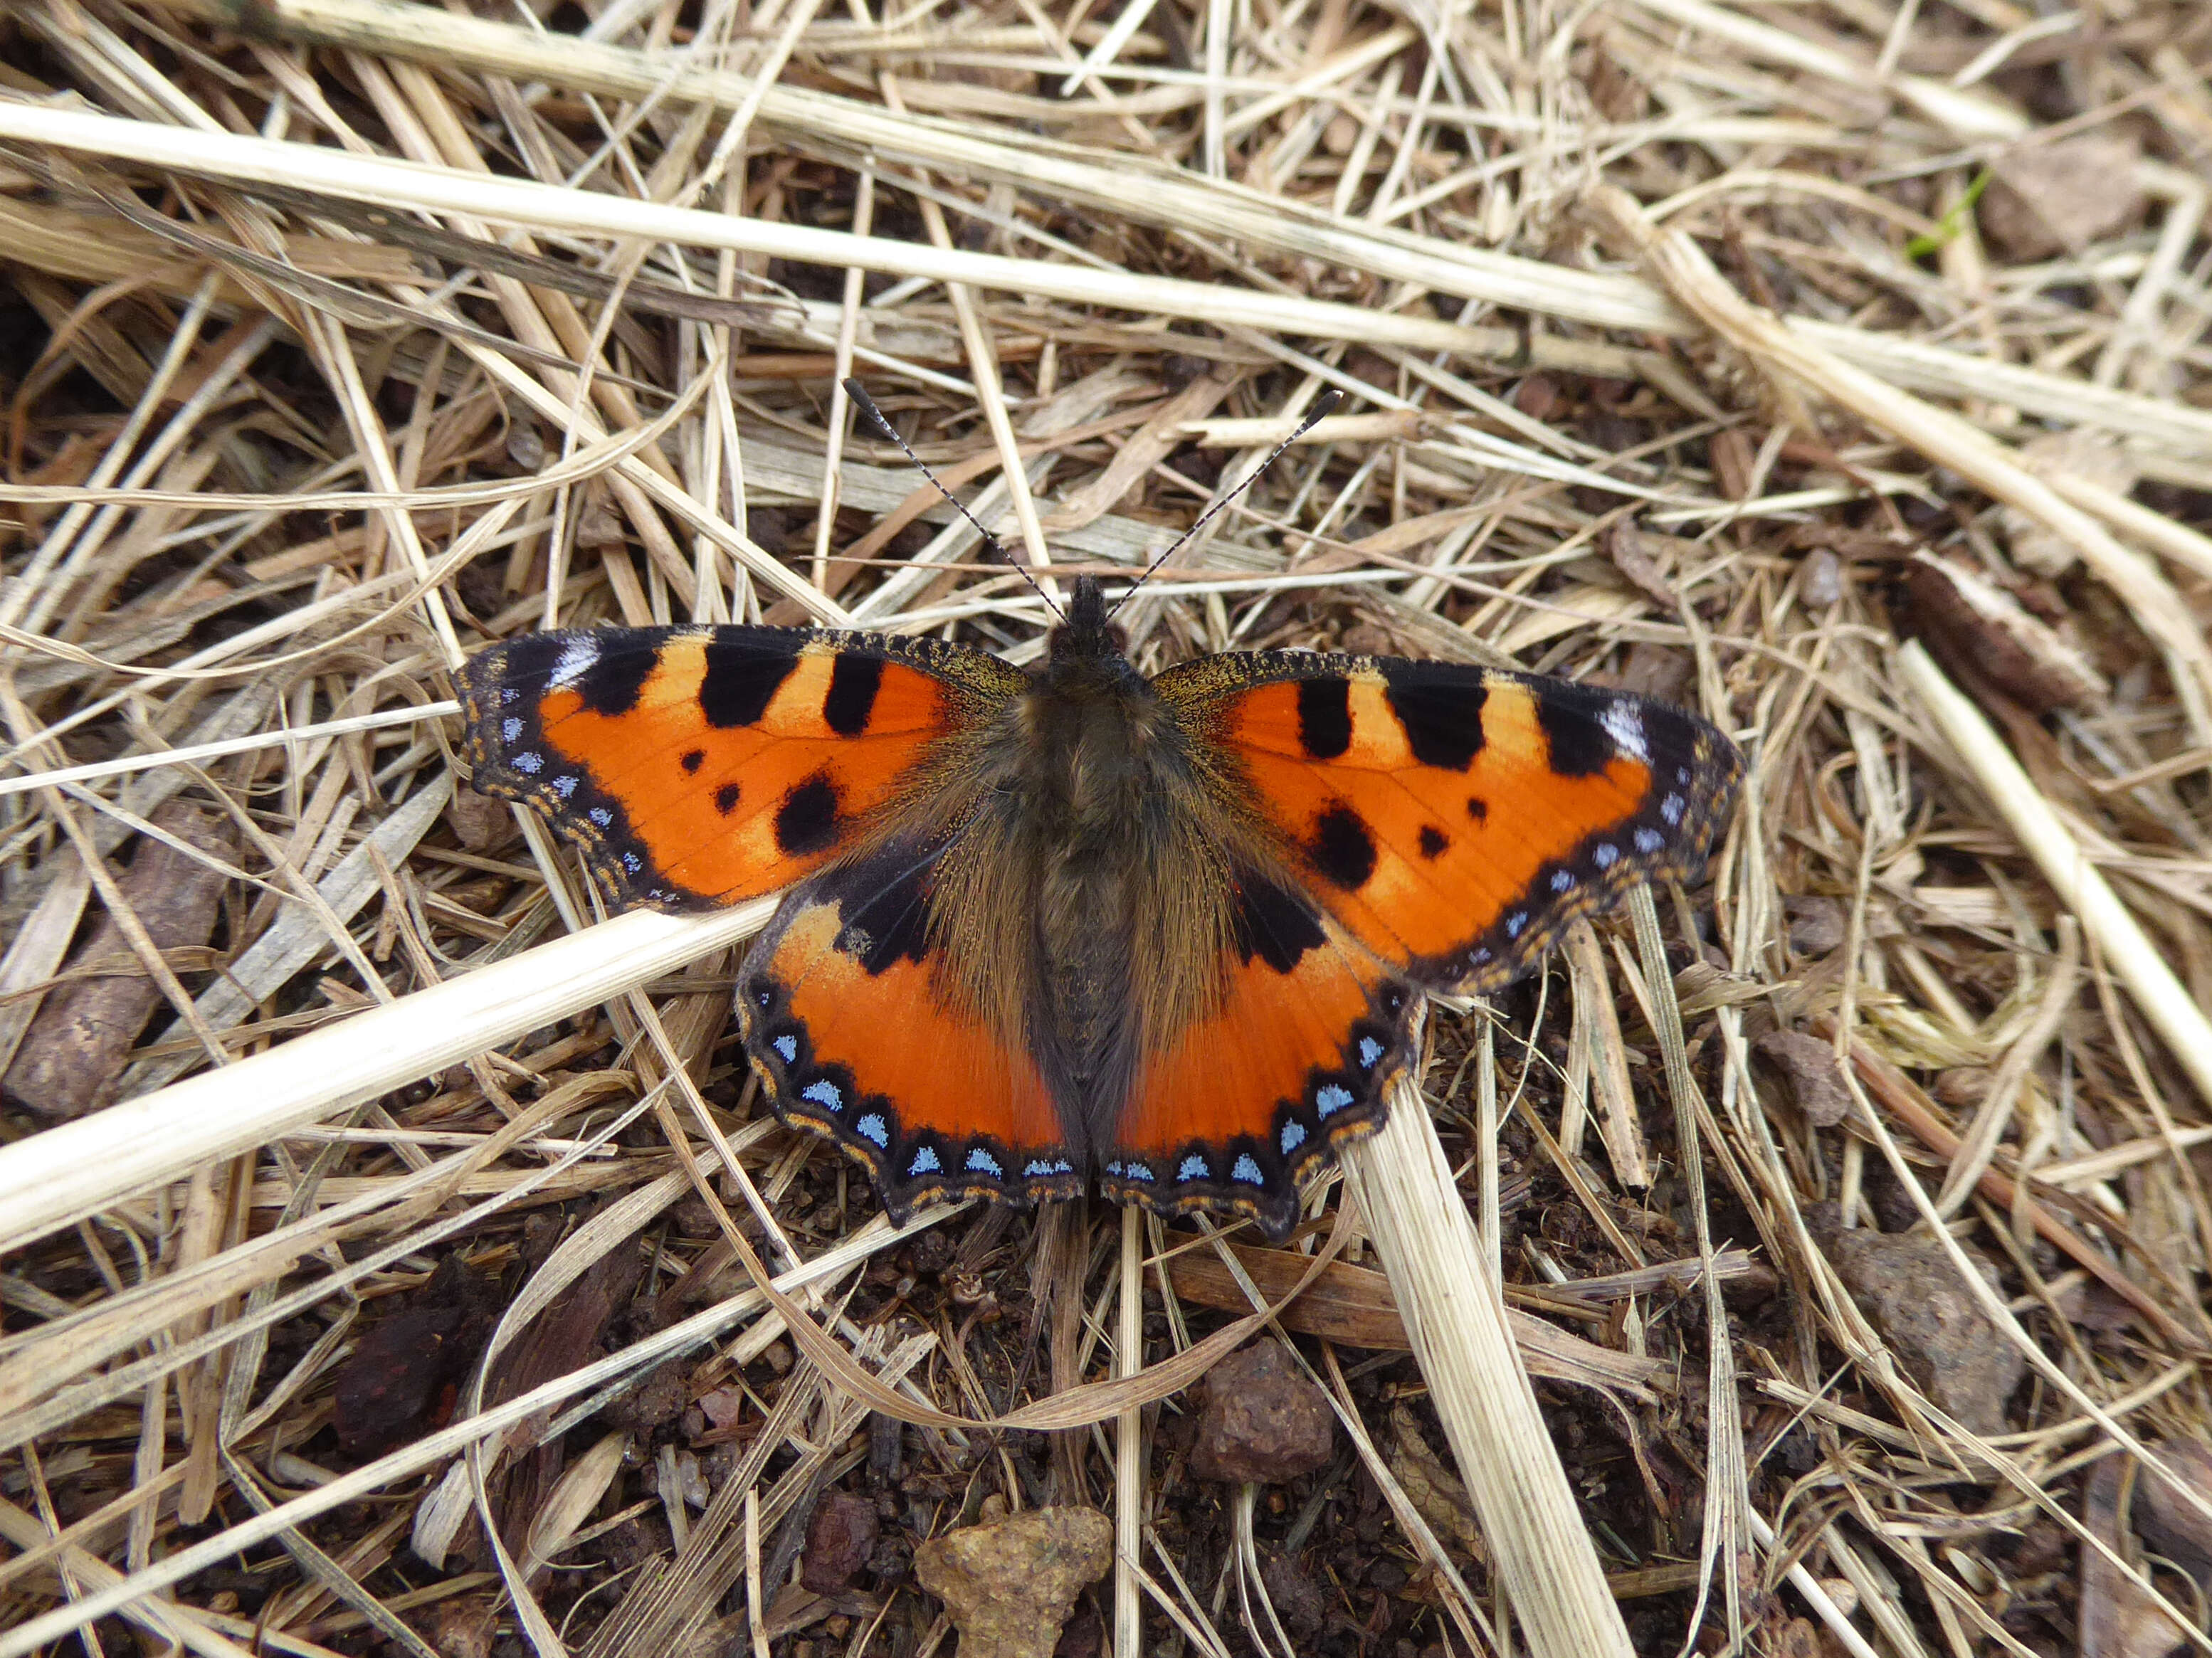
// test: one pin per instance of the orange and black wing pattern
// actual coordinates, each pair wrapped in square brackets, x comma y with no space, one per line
[697,767]
[1232,1110]
[848,1018]
[1453,819]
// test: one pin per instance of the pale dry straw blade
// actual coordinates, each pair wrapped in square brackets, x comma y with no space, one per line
[53,1179]
[1456,1316]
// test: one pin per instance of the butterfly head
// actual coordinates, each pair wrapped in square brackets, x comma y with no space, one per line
[1085,633]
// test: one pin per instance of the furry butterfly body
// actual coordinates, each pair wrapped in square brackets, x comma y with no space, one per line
[1079,928]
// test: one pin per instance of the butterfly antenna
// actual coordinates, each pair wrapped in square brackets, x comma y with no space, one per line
[867,406]
[1324,406]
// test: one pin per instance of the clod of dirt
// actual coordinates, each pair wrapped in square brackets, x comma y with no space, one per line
[1008,1586]
[1809,1068]
[840,1536]
[1817,924]
[1911,1292]
[479,822]
[654,1402]
[1263,1421]
[77,1047]
[463,1627]
[1302,1606]
[401,1380]
[2047,199]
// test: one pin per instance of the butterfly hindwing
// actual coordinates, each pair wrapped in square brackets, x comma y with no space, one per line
[1453,819]
[849,1020]
[1230,1111]
[697,767]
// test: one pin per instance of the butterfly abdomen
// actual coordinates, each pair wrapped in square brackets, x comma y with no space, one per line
[1095,821]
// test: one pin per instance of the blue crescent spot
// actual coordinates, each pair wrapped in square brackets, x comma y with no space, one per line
[982,1162]
[1606,855]
[924,1161]
[509,729]
[631,862]
[1294,1136]
[874,1127]
[1331,1098]
[1115,1169]
[1515,922]
[787,1048]
[1247,1168]
[1193,1168]
[823,1093]
[1037,1168]
[1369,1050]
[564,786]
[600,816]
[1649,841]
[1671,808]
[1137,1171]
[1564,881]
[528,763]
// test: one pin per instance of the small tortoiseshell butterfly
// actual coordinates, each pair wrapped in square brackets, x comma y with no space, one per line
[1045,931]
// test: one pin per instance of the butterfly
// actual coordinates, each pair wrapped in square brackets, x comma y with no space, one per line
[1078,928]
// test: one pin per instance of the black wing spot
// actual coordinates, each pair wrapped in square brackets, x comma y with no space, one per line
[1273,923]
[693,759]
[1442,722]
[1325,716]
[1433,842]
[1478,808]
[611,684]
[726,798]
[1343,848]
[1579,746]
[806,822]
[741,680]
[890,927]
[854,682]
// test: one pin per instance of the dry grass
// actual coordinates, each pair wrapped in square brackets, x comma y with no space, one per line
[1838,368]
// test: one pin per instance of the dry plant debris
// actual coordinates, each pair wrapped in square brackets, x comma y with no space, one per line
[1856,1233]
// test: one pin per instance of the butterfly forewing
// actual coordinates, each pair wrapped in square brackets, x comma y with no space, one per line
[1453,819]
[698,766]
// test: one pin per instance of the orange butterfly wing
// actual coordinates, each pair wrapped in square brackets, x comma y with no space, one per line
[1452,819]
[848,1020]
[697,767]
[1232,1111]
